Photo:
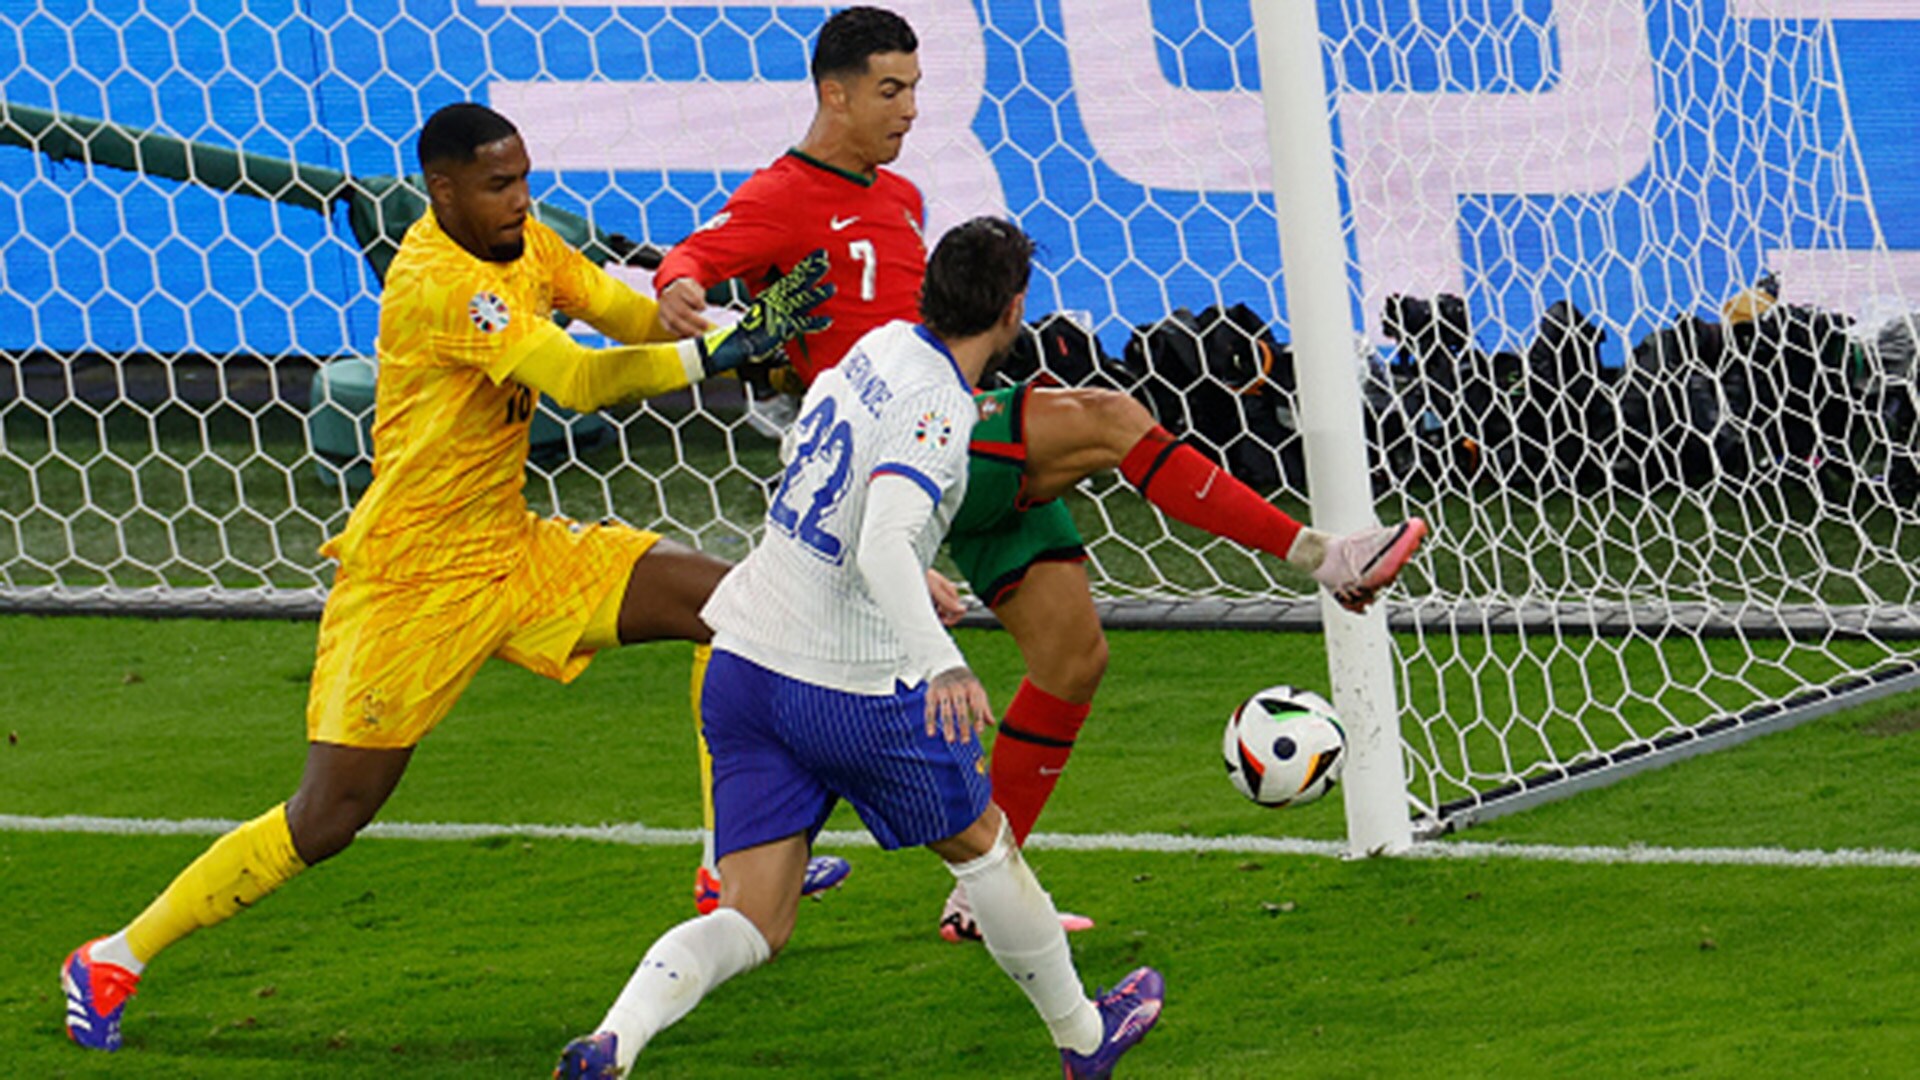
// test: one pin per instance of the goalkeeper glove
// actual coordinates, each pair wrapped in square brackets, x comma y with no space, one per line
[780,313]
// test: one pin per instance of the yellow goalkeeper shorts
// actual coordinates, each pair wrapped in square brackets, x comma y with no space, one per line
[394,656]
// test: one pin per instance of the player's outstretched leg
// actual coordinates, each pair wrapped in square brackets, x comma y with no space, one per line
[1023,935]
[680,968]
[237,871]
[1127,1013]
[590,1057]
[97,992]
[1188,487]
[1359,564]
[1072,434]
[690,960]
[1075,433]
[339,793]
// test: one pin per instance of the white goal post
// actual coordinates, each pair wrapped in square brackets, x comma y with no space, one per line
[1312,245]
[1617,294]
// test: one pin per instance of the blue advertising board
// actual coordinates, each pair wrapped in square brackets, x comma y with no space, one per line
[1643,160]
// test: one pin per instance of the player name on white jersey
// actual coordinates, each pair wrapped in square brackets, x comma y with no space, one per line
[798,604]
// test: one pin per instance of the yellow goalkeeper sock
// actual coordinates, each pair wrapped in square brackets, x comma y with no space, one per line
[701,655]
[239,869]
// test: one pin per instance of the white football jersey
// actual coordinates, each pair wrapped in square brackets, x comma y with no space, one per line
[798,603]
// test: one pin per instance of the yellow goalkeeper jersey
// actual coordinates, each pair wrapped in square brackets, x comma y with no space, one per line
[450,443]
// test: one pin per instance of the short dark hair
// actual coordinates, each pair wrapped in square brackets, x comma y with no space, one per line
[975,272]
[851,36]
[455,131]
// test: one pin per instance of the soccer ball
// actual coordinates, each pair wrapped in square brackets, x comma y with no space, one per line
[1283,747]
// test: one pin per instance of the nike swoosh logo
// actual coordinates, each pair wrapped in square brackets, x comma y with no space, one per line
[1048,771]
[840,223]
[1384,548]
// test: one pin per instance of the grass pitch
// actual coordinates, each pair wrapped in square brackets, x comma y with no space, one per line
[419,958]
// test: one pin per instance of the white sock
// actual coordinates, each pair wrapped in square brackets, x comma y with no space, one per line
[1309,549]
[115,950]
[685,964]
[1022,931]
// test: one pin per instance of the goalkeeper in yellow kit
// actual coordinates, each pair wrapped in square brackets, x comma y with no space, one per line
[441,564]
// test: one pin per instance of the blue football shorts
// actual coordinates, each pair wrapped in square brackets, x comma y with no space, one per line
[785,751]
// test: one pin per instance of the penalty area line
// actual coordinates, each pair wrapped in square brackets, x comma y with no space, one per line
[1157,843]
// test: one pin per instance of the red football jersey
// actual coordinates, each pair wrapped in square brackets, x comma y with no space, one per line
[870,228]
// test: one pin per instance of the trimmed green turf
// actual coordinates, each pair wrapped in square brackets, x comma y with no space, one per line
[420,958]
[411,958]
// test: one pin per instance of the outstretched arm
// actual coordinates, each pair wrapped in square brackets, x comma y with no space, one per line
[578,377]
[549,360]
[620,311]
[748,238]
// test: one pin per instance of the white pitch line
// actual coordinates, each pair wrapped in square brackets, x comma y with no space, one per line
[1164,843]
[1636,853]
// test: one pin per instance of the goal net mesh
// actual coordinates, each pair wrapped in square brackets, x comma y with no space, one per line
[1630,279]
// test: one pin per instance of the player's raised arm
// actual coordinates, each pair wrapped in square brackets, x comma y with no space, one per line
[610,305]
[578,377]
[747,238]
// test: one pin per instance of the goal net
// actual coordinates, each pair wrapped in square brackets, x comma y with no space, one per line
[1629,277]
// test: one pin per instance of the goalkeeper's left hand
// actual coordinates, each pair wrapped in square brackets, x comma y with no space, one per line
[780,313]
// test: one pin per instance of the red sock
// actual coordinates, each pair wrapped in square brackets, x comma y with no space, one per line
[1182,482]
[1036,737]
